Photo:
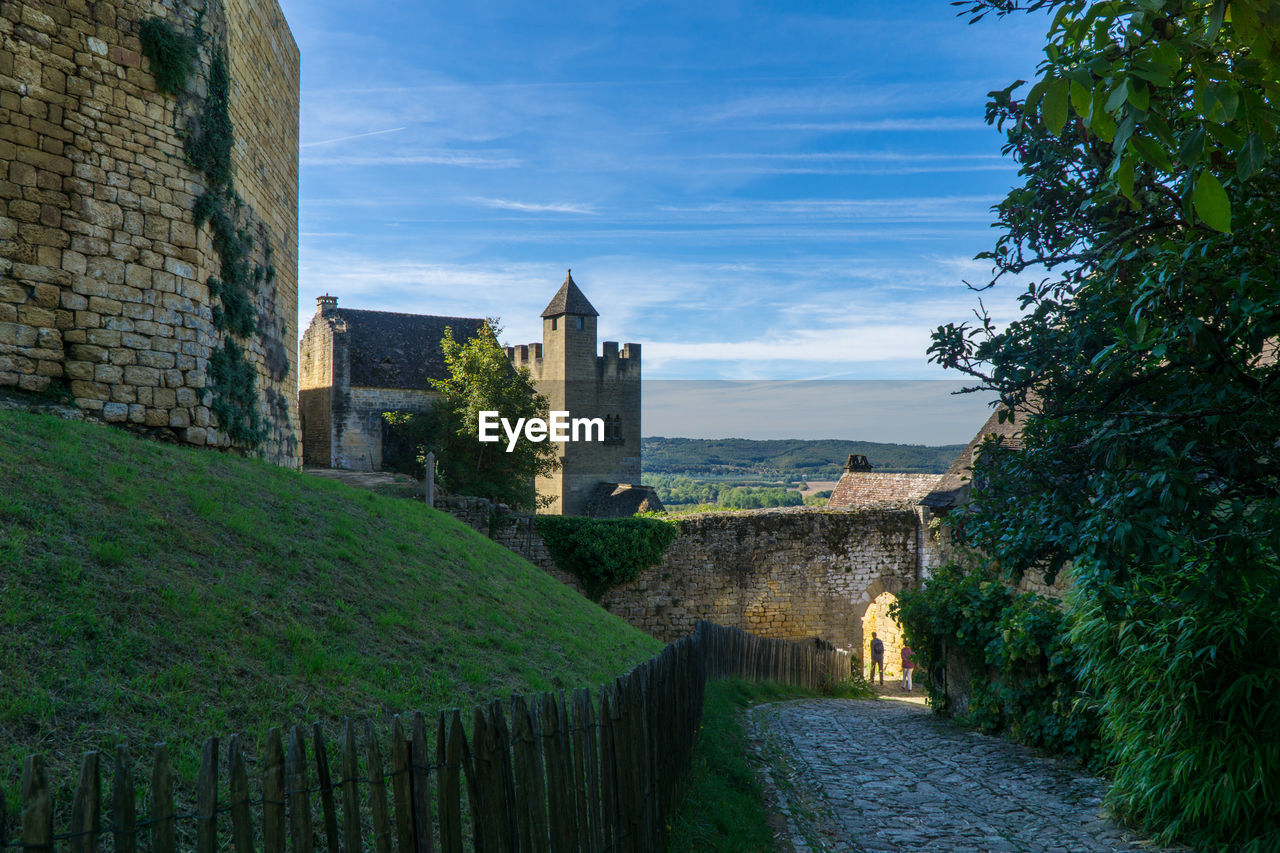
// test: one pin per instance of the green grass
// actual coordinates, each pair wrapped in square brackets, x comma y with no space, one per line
[153,593]
[722,809]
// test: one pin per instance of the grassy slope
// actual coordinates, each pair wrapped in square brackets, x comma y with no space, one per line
[152,593]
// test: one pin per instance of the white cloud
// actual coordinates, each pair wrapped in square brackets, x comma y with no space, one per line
[532,207]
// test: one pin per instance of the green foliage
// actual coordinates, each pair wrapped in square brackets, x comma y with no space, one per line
[681,491]
[155,593]
[209,144]
[1025,679]
[789,460]
[233,382]
[1144,375]
[605,552]
[171,52]
[746,497]
[481,378]
[820,498]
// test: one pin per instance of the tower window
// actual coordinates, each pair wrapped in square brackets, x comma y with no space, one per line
[553,323]
[581,322]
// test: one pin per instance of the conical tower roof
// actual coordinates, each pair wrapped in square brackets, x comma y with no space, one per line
[569,300]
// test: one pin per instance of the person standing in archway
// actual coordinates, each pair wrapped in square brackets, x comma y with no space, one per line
[908,665]
[877,657]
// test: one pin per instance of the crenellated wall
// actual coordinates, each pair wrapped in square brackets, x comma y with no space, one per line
[103,273]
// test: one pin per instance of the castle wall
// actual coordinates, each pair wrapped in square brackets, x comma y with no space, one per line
[102,270]
[316,371]
[786,573]
[358,434]
[789,573]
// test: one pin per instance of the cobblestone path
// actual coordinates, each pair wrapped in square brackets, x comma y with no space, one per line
[870,775]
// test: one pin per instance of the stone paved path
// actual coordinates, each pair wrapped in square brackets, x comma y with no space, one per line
[883,775]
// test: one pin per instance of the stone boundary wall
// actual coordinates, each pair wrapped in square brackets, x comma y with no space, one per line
[789,573]
[103,272]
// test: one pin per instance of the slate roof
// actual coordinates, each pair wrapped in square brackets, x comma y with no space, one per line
[953,487]
[569,300]
[392,350]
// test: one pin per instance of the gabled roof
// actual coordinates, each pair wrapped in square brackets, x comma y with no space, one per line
[392,350]
[952,488]
[569,300]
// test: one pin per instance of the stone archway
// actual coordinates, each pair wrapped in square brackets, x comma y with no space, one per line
[873,616]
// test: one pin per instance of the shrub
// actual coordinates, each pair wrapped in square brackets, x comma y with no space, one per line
[605,552]
[1019,647]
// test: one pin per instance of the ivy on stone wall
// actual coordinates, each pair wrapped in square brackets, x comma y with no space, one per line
[171,52]
[605,552]
[210,139]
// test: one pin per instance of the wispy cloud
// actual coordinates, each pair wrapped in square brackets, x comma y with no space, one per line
[533,207]
[351,137]
[443,158]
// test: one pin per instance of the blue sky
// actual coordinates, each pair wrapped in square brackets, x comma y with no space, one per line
[752,191]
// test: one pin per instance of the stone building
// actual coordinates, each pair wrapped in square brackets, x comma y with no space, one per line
[354,366]
[107,274]
[861,486]
[596,477]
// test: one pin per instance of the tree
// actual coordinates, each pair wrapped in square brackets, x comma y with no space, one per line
[1143,365]
[482,378]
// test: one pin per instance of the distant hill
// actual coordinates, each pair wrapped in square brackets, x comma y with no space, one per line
[789,459]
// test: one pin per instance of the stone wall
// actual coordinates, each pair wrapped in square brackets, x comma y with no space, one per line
[785,573]
[103,272]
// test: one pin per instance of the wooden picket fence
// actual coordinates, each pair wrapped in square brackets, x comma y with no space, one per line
[578,773]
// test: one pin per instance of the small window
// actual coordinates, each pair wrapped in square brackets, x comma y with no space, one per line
[553,324]
[581,322]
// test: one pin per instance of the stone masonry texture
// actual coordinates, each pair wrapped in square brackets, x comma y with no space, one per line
[788,573]
[103,273]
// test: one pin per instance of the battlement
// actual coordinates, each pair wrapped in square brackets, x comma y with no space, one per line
[619,364]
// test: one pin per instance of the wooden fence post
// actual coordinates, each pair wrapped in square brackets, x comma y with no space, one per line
[377,794]
[273,795]
[556,757]
[85,810]
[531,792]
[421,791]
[400,784]
[37,807]
[350,790]
[429,479]
[324,781]
[124,816]
[449,758]
[163,832]
[241,816]
[207,799]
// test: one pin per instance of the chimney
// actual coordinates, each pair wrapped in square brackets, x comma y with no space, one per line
[857,462]
[326,304]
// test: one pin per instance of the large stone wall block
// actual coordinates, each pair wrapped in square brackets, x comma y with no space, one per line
[103,270]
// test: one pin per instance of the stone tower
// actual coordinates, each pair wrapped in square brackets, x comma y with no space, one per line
[154,288]
[566,368]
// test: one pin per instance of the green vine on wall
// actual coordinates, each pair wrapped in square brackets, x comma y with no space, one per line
[172,54]
[605,552]
[209,143]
